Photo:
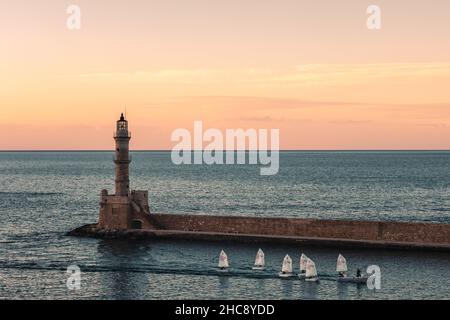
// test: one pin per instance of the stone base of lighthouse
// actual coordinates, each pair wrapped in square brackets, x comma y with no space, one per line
[124,212]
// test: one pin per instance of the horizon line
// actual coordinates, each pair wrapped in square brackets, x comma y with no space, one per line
[246,150]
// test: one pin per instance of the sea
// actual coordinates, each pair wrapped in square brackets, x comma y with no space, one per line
[43,195]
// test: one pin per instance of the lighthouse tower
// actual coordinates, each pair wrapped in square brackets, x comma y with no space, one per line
[126,209]
[122,157]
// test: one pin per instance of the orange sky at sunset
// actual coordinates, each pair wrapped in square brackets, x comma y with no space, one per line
[310,68]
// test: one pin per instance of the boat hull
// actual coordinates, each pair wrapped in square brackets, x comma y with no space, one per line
[258,268]
[353,279]
[314,279]
[285,275]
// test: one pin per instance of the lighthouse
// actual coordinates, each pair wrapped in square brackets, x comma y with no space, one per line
[122,157]
[125,209]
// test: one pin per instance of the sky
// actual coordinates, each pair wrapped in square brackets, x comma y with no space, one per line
[309,68]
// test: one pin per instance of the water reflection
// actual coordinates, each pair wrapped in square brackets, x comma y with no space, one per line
[360,289]
[286,288]
[309,290]
[342,290]
[224,285]
[260,285]
[123,283]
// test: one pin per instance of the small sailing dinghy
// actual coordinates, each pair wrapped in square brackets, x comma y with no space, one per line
[286,269]
[223,261]
[341,268]
[259,261]
[303,260]
[311,271]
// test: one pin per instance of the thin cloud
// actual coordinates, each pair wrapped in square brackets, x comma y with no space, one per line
[270,103]
[350,122]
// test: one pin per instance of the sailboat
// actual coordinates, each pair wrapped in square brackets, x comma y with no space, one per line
[311,272]
[259,260]
[223,261]
[286,269]
[341,268]
[303,260]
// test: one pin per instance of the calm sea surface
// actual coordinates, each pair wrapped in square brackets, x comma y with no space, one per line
[45,194]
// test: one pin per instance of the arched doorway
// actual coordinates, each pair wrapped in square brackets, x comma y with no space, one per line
[136,224]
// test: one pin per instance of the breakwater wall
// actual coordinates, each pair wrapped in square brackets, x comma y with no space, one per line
[350,233]
[385,232]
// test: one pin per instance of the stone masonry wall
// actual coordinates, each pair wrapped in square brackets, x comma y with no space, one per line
[336,229]
[114,212]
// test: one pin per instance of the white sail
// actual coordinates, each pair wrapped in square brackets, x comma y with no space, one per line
[287,264]
[341,265]
[303,260]
[259,261]
[310,269]
[223,260]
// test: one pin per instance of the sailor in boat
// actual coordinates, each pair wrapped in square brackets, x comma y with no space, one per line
[223,261]
[341,268]
[311,271]
[359,278]
[259,260]
[286,269]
